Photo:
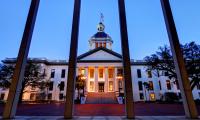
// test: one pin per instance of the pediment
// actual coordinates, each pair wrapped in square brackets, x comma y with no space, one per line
[100,54]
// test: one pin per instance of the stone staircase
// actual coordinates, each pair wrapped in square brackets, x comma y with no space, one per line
[101,98]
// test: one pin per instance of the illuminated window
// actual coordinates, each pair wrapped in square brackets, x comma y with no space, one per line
[101,73]
[91,73]
[100,44]
[152,96]
[150,85]
[104,44]
[91,85]
[32,96]
[96,45]
[82,71]
[110,85]
[110,73]
[168,84]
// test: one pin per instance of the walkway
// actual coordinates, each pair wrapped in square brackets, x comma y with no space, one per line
[101,118]
[101,98]
[141,109]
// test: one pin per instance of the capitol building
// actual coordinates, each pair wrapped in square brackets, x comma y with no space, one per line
[103,73]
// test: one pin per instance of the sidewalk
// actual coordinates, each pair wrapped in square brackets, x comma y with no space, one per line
[101,118]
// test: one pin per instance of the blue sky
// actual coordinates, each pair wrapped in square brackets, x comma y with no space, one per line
[51,37]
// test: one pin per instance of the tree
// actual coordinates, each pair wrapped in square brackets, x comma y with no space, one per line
[33,76]
[6,73]
[162,60]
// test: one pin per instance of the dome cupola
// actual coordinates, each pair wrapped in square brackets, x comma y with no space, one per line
[101,39]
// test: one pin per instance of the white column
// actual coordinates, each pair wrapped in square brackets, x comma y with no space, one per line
[106,79]
[96,78]
[116,81]
[113,72]
[86,80]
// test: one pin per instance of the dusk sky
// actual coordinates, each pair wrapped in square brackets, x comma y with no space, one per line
[51,37]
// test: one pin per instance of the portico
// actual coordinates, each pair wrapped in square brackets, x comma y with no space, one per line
[102,78]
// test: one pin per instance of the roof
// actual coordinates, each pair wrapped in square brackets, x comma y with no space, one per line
[101,35]
[65,62]
[98,49]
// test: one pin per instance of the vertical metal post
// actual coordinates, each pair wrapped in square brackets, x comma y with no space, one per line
[186,92]
[72,62]
[16,83]
[126,61]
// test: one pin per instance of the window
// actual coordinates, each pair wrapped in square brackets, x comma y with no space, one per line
[139,73]
[120,84]
[160,85]
[82,71]
[166,73]
[110,73]
[51,85]
[119,72]
[100,73]
[91,85]
[168,85]
[179,95]
[60,96]
[158,73]
[150,85]
[100,44]
[62,85]
[91,73]
[140,85]
[149,74]
[52,73]
[177,85]
[152,96]
[110,85]
[96,45]
[49,96]
[63,73]
[104,44]
[32,96]
[2,96]
[141,96]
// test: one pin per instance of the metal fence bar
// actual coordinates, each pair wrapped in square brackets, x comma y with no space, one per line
[18,77]
[186,92]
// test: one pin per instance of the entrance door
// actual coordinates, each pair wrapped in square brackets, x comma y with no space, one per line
[101,87]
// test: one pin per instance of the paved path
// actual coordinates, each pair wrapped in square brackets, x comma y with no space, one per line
[141,109]
[101,98]
[101,118]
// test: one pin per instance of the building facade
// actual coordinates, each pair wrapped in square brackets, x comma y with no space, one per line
[102,71]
